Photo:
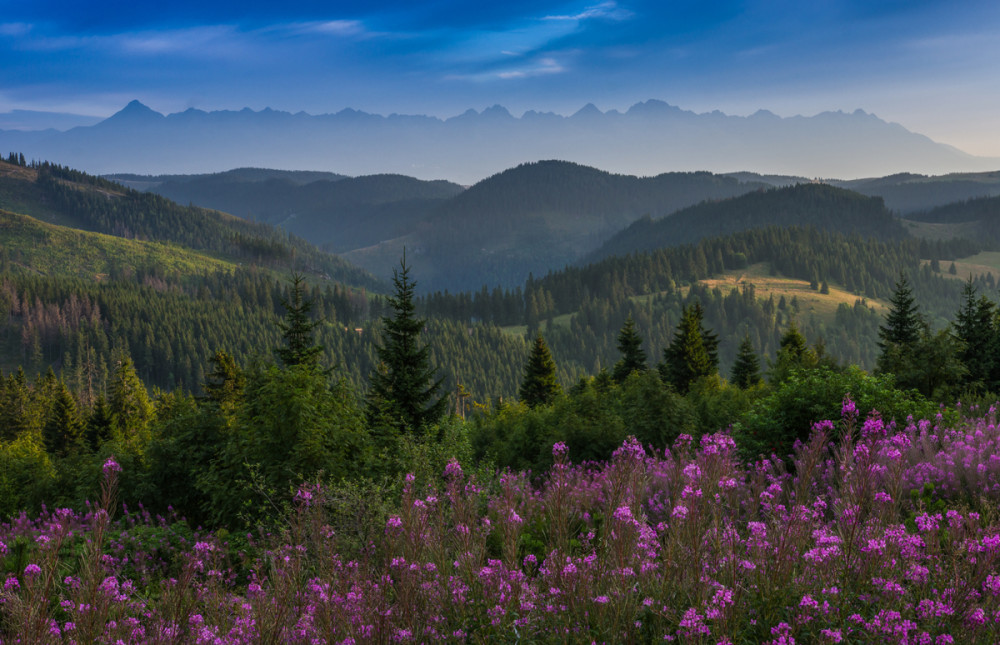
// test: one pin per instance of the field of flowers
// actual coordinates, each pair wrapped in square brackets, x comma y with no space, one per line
[889,534]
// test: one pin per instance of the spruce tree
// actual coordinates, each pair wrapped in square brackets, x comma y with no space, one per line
[633,358]
[975,327]
[129,403]
[405,390]
[903,323]
[539,385]
[692,354]
[297,328]
[793,353]
[746,369]
[64,427]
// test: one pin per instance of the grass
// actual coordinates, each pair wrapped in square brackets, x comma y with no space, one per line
[978,264]
[37,247]
[822,305]
[941,230]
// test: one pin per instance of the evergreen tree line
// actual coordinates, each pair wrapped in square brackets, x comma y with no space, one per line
[230,456]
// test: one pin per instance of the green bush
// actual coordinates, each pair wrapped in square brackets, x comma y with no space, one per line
[775,422]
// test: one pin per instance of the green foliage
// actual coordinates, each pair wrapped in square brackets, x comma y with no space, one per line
[794,353]
[129,404]
[539,385]
[903,323]
[26,475]
[976,328]
[633,358]
[593,420]
[746,368]
[404,389]
[693,353]
[297,328]
[293,426]
[787,414]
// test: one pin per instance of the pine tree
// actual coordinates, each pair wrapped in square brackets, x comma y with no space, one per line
[975,327]
[746,369]
[226,382]
[404,390]
[129,404]
[539,385]
[793,353]
[692,354]
[99,423]
[64,426]
[633,358]
[903,322]
[297,328]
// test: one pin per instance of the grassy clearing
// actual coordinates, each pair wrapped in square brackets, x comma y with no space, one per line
[941,230]
[822,305]
[978,264]
[521,330]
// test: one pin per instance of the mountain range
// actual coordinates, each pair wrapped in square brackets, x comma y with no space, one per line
[649,138]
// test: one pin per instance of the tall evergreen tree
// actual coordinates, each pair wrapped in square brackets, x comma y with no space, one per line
[746,368]
[226,382]
[633,358]
[898,337]
[129,403]
[975,326]
[64,426]
[793,353]
[297,328]
[692,354]
[405,389]
[539,385]
[903,323]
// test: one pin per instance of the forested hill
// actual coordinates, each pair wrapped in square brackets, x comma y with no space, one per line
[535,218]
[70,198]
[754,282]
[818,205]
[297,177]
[977,219]
[336,212]
[908,193]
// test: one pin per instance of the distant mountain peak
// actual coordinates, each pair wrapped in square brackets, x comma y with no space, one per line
[135,112]
[588,110]
[653,107]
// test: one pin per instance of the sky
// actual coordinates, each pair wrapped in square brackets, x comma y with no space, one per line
[928,65]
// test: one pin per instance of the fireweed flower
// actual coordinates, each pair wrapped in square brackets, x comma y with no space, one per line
[559,449]
[32,570]
[848,410]
[453,470]
[111,466]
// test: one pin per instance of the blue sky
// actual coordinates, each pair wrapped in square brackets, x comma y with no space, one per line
[931,66]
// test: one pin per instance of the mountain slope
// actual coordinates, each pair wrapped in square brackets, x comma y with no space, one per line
[30,246]
[909,193]
[71,198]
[819,205]
[338,213]
[535,218]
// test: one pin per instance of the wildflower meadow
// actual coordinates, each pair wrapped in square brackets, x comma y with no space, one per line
[871,532]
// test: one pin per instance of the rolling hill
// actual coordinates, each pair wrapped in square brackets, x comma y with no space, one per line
[819,205]
[69,198]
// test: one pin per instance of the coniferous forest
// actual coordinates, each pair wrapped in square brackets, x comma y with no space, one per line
[213,431]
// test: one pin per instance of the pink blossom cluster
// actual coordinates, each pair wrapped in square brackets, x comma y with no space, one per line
[888,534]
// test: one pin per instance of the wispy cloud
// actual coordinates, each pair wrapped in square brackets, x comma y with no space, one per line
[544,67]
[215,41]
[15,29]
[338,28]
[603,11]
